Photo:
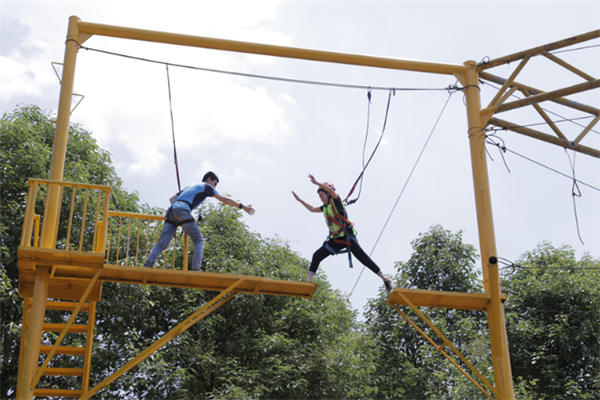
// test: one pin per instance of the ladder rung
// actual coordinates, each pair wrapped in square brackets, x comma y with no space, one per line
[73,351]
[65,305]
[59,327]
[57,393]
[63,371]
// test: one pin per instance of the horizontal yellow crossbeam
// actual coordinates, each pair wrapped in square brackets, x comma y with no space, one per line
[575,146]
[87,29]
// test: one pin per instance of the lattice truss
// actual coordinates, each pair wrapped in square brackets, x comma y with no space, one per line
[566,122]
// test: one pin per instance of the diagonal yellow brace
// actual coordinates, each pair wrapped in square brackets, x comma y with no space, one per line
[189,321]
[545,116]
[66,329]
[509,81]
[454,349]
[568,66]
[440,348]
[586,130]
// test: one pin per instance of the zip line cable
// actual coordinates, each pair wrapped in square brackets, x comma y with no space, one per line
[361,176]
[405,184]
[274,78]
[173,129]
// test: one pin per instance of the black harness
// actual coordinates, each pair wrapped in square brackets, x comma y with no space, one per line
[170,218]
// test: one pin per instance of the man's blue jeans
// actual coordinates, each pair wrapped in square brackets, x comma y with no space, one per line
[168,232]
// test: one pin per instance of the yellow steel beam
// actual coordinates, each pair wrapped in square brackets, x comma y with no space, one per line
[568,66]
[495,101]
[440,348]
[29,361]
[65,330]
[89,341]
[546,138]
[89,28]
[540,49]
[565,102]
[192,319]
[538,98]
[440,299]
[24,327]
[545,116]
[487,239]
[586,130]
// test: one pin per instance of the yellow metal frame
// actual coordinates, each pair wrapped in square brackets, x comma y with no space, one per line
[41,265]
[183,326]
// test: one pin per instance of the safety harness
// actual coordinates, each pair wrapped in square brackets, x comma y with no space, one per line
[169,218]
[345,228]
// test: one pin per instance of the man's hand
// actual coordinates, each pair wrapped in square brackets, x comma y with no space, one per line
[248,209]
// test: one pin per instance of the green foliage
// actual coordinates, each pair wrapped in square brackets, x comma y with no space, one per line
[409,366]
[553,323]
[274,347]
[268,347]
[26,139]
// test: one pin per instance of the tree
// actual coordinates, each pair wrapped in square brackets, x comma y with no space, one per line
[262,346]
[26,137]
[253,346]
[409,367]
[553,323]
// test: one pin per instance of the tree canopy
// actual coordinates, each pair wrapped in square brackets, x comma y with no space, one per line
[282,347]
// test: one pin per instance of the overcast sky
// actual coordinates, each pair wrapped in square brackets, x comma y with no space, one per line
[264,137]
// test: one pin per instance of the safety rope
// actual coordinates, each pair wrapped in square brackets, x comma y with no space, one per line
[173,129]
[451,91]
[362,173]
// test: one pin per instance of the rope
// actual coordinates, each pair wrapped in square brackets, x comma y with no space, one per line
[173,130]
[361,175]
[450,93]
[504,149]
[575,192]
[274,78]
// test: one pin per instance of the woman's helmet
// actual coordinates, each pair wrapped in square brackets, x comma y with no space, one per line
[329,184]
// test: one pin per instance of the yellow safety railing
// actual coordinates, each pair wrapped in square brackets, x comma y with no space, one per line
[82,211]
[131,236]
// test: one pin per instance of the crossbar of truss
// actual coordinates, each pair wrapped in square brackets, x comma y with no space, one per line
[539,98]
[562,101]
[540,49]
[545,137]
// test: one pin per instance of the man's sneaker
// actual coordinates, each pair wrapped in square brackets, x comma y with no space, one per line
[389,286]
[148,264]
[196,269]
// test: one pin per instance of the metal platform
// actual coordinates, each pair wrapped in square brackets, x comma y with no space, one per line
[439,299]
[72,272]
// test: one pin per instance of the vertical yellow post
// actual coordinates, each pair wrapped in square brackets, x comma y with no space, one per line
[487,239]
[48,239]
[34,333]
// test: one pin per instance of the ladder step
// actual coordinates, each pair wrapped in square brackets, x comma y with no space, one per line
[65,305]
[63,371]
[57,393]
[47,327]
[73,351]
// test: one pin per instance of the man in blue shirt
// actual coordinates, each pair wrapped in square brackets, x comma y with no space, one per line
[180,214]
